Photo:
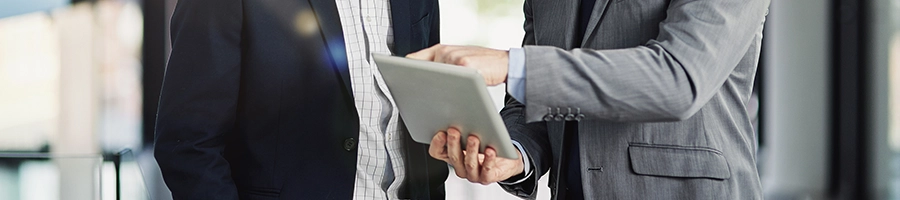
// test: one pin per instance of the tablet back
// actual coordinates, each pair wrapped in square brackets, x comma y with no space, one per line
[432,97]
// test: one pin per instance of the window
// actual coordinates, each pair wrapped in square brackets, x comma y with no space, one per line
[885,97]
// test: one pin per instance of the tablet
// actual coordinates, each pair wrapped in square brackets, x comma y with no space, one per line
[432,97]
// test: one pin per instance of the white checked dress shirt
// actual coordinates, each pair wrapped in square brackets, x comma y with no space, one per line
[379,167]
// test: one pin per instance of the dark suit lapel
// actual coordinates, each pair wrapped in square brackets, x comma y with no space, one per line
[599,8]
[402,26]
[330,25]
[420,168]
[416,182]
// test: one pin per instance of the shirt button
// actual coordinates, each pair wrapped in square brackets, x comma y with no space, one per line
[349,144]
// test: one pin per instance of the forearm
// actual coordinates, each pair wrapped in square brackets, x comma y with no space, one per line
[636,84]
[667,79]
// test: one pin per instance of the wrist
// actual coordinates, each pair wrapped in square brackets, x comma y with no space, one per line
[521,164]
[505,67]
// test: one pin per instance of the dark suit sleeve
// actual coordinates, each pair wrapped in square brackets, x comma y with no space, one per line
[532,136]
[198,101]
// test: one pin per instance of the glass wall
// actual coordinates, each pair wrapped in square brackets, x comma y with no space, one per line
[18,7]
[74,69]
[29,82]
[885,82]
[70,96]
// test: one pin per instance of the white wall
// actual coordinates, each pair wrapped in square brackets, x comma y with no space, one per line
[494,24]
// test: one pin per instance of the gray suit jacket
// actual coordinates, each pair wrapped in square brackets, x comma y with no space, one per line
[662,86]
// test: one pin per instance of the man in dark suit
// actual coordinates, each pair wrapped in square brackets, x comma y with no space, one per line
[258,101]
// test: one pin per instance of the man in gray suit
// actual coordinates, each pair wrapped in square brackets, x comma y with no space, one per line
[621,99]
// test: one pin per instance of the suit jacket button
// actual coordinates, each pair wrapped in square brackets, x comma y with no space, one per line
[349,144]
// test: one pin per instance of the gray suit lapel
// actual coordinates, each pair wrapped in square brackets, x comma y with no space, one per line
[599,8]
[555,17]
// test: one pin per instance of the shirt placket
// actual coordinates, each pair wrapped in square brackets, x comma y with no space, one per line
[369,109]
[376,25]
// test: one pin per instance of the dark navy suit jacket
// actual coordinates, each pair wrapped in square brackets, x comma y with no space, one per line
[257,103]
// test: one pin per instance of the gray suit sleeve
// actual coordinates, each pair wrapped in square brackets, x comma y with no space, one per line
[532,136]
[668,79]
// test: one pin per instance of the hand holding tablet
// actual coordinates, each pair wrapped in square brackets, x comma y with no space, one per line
[484,168]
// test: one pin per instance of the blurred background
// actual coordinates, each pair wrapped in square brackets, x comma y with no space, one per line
[79,81]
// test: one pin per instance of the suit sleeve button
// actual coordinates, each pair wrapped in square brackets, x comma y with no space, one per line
[549,116]
[579,117]
[570,116]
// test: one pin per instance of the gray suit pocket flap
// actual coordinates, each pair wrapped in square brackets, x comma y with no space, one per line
[678,161]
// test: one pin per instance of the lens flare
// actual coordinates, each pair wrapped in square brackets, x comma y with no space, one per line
[305,23]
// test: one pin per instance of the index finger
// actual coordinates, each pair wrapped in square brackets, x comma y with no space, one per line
[438,147]
[424,54]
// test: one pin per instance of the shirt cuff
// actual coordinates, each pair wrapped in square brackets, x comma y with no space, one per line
[526,163]
[515,78]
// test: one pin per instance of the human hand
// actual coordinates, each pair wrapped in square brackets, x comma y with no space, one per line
[476,167]
[491,63]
